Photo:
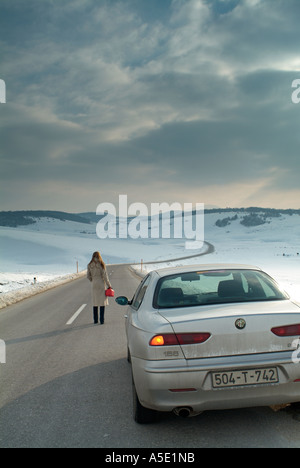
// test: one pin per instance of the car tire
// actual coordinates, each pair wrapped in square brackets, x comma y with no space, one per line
[142,415]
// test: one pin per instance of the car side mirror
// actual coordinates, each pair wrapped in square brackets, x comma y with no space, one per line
[122,300]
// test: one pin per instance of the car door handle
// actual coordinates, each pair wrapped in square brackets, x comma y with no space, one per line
[126,316]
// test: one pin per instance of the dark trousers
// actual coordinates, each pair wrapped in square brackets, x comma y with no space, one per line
[102,310]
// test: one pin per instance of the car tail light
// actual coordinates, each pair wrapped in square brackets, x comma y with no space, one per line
[164,340]
[169,339]
[192,338]
[288,330]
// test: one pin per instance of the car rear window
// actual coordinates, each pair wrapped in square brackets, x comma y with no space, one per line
[215,287]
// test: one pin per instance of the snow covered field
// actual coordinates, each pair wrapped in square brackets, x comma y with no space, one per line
[51,249]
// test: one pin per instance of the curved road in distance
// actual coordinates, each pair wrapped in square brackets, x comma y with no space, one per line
[210,249]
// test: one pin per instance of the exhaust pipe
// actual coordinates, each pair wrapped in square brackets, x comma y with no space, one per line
[183,411]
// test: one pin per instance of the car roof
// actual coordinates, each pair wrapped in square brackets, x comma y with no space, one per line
[200,267]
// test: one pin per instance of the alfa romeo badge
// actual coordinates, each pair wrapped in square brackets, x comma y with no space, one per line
[240,324]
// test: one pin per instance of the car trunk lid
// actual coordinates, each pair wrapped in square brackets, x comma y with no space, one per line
[235,329]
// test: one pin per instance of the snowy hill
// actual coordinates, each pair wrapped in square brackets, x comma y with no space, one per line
[25,218]
[52,243]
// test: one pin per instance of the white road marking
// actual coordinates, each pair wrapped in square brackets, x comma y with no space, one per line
[74,317]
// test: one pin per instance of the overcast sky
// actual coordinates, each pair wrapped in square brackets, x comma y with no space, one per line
[162,100]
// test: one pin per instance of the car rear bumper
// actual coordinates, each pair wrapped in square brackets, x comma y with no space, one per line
[167,385]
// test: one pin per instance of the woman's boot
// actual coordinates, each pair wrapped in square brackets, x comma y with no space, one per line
[102,310]
[95,310]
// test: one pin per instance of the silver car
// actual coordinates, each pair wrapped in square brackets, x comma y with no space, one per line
[211,337]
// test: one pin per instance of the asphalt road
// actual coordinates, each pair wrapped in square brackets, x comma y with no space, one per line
[69,385]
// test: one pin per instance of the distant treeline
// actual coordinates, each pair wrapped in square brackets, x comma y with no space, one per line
[24,218]
[269,212]
[253,216]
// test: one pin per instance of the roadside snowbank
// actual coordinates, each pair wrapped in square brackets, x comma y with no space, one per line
[16,295]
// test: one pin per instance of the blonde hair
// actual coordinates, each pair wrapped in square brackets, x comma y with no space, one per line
[97,258]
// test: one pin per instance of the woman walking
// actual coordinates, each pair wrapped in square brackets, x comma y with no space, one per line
[97,274]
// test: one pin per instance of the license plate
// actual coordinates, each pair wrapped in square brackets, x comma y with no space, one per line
[245,377]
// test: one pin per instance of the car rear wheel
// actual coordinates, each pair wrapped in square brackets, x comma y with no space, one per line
[142,415]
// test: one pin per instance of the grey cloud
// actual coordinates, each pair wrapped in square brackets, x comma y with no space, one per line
[105,94]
